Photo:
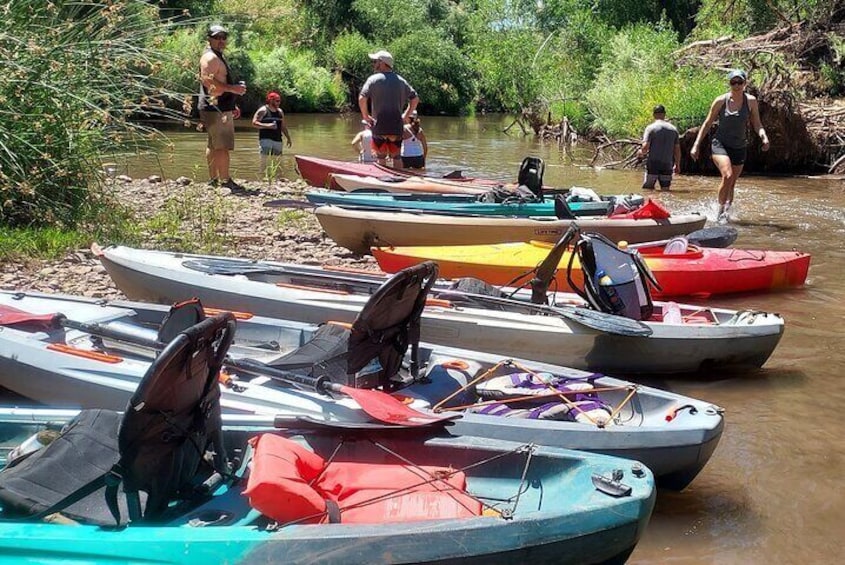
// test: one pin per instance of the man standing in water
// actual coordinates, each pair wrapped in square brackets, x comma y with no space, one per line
[662,144]
[391,102]
[728,147]
[218,108]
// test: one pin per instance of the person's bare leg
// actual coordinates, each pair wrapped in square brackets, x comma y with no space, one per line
[262,167]
[723,163]
[221,158]
[397,162]
[209,158]
[736,170]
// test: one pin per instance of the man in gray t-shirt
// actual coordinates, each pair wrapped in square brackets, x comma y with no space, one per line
[391,101]
[662,144]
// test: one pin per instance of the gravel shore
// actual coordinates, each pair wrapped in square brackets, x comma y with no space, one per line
[252,229]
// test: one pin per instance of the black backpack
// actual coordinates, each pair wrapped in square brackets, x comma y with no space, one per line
[531,175]
[615,280]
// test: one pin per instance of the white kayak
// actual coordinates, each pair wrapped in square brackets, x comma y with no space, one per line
[701,338]
[77,366]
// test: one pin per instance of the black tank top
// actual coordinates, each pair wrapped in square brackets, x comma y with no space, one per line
[269,117]
[733,123]
[226,101]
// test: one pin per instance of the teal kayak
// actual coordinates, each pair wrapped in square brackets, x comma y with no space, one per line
[546,505]
[463,203]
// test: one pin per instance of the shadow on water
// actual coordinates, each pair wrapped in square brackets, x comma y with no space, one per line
[765,224]
[732,378]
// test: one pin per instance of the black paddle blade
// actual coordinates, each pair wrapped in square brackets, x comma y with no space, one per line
[607,323]
[715,236]
[223,266]
[290,203]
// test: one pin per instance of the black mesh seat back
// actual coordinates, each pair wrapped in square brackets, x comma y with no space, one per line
[531,175]
[325,353]
[84,452]
[390,321]
[175,414]
[181,316]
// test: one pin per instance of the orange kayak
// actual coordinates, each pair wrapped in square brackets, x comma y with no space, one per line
[700,271]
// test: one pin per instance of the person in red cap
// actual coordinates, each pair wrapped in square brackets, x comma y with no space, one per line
[270,121]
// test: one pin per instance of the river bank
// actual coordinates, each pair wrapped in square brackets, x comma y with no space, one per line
[251,230]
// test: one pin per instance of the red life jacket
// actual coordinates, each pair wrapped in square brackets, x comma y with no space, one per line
[281,485]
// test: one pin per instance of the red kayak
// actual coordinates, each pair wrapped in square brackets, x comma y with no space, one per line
[316,171]
[700,271]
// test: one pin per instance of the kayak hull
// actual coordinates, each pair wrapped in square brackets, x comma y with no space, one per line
[316,171]
[698,272]
[306,294]
[359,230]
[421,185]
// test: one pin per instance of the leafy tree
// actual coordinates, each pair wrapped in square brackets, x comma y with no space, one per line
[442,76]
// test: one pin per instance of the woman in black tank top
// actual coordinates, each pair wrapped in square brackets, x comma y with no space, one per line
[728,146]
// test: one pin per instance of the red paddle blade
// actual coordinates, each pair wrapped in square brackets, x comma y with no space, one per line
[385,408]
[10,316]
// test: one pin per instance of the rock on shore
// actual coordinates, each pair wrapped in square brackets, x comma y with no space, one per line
[251,230]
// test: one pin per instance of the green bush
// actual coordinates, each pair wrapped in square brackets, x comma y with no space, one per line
[305,86]
[349,54]
[74,73]
[438,71]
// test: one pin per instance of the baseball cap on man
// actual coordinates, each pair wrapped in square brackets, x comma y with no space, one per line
[273,96]
[737,73]
[216,29]
[383,56]
[659,109]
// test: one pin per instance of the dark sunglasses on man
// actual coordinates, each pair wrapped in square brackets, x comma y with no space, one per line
[737,81]
[223,36]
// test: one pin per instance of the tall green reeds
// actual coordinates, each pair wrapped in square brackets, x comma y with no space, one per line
[74,74]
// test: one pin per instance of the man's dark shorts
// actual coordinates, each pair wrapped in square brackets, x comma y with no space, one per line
[657,173]
[386,146]
[735,154]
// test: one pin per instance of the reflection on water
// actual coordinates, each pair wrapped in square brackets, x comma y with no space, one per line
[771,493]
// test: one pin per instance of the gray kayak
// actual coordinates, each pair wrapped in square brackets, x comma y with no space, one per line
[672,434]
[700,338]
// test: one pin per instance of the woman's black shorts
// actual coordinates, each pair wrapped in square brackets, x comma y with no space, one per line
[735,154]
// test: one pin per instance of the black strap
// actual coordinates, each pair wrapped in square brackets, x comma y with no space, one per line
[332,511]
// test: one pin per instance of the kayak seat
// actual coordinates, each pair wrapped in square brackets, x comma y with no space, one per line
[289,483]
[676,246]
[370,354]
[530,175]
[155,452]
[562,209]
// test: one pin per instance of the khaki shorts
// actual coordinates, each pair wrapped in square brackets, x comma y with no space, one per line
[220,127]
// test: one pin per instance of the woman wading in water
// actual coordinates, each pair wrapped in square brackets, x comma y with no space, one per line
[730,144]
